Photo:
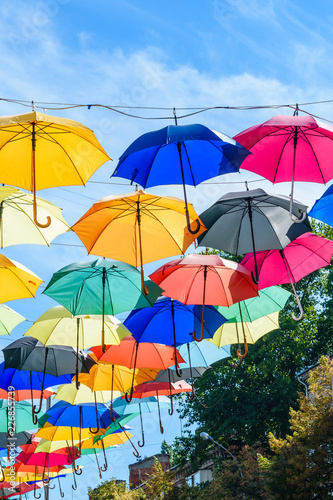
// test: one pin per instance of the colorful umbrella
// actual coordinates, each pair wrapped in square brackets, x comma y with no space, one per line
[57,326]
[9,319]
[302,256]
[16,417]
[322,209]
[205,279]
[16,281]
[180,154]
[39,151]
[16,219]
[284,148]
[253,220]
[136,228]
[100,287]
[22,394]
[232,333]
[69,393]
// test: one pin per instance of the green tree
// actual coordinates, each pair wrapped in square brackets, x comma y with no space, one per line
[113,490]
[159,483]
[303,466]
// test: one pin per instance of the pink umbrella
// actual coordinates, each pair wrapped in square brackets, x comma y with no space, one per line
[296,148]
[205,279]
[305,254]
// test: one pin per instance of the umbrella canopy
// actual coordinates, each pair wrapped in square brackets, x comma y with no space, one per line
[201,355]
[269,300]
[82,415]
[100,287]
[69,393]
[28,379]
[205,279]
[251,220]
[136,228]
[246,332]
[48,459]
[39,151]
[9,319]
[22,394]
[16,280]
[302,256]
[322,209]
[22,421]
[16,219]
[284,148]
[180,154]
[19,439]
[155,388]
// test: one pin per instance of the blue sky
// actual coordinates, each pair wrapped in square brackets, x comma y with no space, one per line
[172,54]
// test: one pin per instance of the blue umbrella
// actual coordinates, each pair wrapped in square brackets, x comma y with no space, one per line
[172,323]
[180,154]
[323,208]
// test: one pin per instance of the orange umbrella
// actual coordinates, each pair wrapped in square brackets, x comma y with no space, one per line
[22,394]
[133,354]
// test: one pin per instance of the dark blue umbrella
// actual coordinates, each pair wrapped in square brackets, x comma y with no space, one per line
[172,323]
[323,208]
[180,154]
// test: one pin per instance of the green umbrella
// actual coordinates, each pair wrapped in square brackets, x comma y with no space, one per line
[16,417]
[271,299]
[102,287]
[9,319]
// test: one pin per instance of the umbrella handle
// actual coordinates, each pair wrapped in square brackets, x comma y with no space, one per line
[128,398]
[74,486]
[255,278]
[78,471]
[143,434]
[170,410]
[144,288]
[51,488]
[297,318]
[48,219]
[201,334]
[62,494]
[39,494]
[241,356]
[97,422]
[98,467]
[291,215]
[105,466]
[191,395]
[237,363]
[198,224]
[135,453]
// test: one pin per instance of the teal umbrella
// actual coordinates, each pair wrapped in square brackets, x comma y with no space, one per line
[269,300]
[16,417]
[102,287]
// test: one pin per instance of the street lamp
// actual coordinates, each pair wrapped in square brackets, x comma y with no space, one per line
[204,435]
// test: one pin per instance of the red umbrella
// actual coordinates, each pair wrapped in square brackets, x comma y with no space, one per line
[22,394]
[305,254]
[296,148]
[205,279]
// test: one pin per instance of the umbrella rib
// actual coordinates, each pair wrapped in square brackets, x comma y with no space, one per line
[189,163]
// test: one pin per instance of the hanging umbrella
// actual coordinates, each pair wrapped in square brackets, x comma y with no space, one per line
[245,332]
[139,406]
[9,319]
[30,354]
[39,151]
[180,154]
[57,326]
[136,228]
[16,417]
[22,394]
[172,323]
[132,354]
[74,396]
[284,148]
[16,280]
[301,257]
[253,220]
[193,372]
[100,287]
[16,219]
[201,355]
[18,439]
[269,300]
[115,378]
[47,459]
[322,209]
[205,279]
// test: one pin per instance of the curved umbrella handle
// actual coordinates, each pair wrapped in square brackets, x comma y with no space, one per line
[104,468]
[143,434]
[62,494]
[191,395]
[170,410]
[75,483]
[97,463]
[48,219]
[239,354]
[237,363]
[255,279]
[37,496]
[297,318]
[97,421]
[291,206]
[198,224]
[144,288]
[201,334]
[128,398]
[51,487]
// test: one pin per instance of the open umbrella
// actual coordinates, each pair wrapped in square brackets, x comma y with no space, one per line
[246,332]
[252,220]
[30,354]
[39,151]
[136,228]
[323,208]
[100,287]
[134,354]
[180,154]
[16,417]
[284,148]
[16,280]
[302,256]
[70,393]
[9,319]
[205,279]
[57,326]
[17,225]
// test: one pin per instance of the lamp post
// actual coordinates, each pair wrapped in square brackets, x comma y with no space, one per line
[204,435]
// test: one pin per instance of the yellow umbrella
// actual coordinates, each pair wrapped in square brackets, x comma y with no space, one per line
[57,326]
[61,433]
[16,281]
[247,332]
[109,440]
[137,228]
[16,219]
[9,319]
[39,151]
[69,393]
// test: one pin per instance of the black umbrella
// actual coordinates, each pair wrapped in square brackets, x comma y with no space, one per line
[18,439]
[252,220]
[30,354]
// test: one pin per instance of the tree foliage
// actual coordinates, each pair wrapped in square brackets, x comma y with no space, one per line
[303,466]
[114,490]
